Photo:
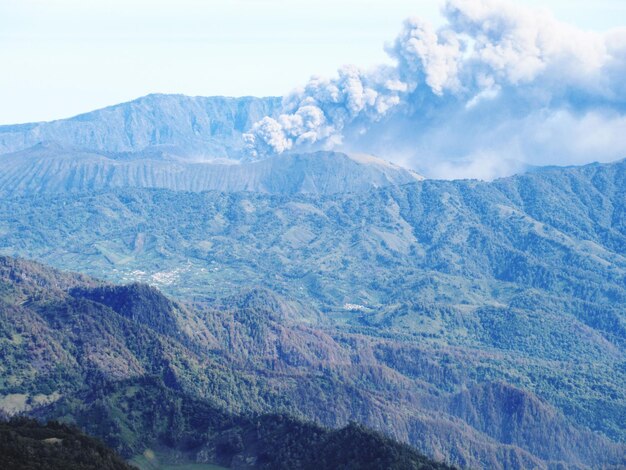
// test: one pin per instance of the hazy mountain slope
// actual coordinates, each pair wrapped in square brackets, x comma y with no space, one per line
[190,127]
[56,342]
[249,352]
[529,231]
[407,386]
[51,168]
[512,416]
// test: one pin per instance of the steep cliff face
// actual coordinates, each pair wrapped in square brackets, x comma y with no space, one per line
[185,126]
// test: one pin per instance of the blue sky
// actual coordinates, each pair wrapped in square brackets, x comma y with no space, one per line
[63,57]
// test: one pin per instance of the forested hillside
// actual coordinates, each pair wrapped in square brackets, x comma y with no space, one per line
[28,445]
[127,365]
[96,354]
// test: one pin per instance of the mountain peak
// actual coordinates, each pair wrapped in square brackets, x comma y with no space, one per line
[190,126]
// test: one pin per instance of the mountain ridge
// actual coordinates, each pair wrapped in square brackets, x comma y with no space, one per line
[51,168]
[205,127]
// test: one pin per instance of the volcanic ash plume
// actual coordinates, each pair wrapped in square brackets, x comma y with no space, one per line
[496,81]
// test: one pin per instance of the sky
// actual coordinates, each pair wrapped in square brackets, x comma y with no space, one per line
[63,57]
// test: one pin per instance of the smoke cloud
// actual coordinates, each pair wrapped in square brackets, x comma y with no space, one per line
[497,88]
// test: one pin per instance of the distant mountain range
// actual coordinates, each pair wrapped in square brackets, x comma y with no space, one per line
[174,142]
[484,323]
[195,128]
